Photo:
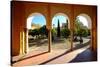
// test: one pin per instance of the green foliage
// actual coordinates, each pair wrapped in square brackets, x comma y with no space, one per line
[65,32]
[34,32]
[54,32]
[88,32]
[80,29]
[41,31]
[82,32]
[30,32]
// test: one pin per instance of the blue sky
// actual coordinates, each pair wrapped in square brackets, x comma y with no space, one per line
[62,19]
[42,21]
[39,19]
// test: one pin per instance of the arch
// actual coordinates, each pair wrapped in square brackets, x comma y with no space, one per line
[30,17]
[88,18]
[61,31]
[62,14]
[87,37]
[29,21]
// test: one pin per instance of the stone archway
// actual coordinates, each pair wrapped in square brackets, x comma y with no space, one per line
[88,18]
[63,41]
[83,30]
[63,14]
[32,25]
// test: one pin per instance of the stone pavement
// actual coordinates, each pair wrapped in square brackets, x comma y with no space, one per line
[56,57]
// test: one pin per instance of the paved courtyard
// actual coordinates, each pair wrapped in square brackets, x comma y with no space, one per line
[59,57]
[56,56]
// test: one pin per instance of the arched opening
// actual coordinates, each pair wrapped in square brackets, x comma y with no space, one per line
[37,34]
[61,36]
[82,31]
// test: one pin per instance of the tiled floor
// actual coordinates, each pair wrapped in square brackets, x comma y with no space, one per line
[85,56]
[60,57]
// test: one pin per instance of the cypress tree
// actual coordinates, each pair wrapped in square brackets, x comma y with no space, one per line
[67,23]
[58,29]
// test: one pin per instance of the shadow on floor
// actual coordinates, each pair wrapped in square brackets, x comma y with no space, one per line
[78,47]
[85,56]
[12,62]
[55,58]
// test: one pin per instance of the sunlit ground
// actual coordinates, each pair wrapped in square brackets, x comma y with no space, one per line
[41,45]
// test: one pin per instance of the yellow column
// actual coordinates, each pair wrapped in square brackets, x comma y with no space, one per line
[22,43]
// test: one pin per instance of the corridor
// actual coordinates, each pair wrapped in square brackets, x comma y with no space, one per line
[54,57]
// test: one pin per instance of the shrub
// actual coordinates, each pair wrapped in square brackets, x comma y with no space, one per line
[65,33]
